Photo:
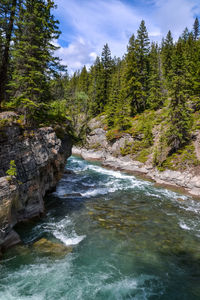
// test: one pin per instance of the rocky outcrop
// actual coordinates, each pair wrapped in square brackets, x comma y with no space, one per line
[186,180]
[40,158]
[97,147]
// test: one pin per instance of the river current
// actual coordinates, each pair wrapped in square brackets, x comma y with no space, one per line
[128,239]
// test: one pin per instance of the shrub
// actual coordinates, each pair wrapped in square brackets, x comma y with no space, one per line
[12,171]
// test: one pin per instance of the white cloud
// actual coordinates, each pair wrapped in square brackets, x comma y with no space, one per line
[175,15]
[88,24]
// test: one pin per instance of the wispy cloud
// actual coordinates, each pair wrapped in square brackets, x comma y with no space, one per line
[88,24]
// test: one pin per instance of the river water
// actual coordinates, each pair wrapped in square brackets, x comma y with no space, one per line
[129,239]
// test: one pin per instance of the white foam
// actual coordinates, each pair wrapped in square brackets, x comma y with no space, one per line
[69,241]
[63,231]
[93,193]
[184,226]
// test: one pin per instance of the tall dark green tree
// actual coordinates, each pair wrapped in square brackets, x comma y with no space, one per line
[142,54]
[156,94]
[96,88]
[167,51]
[114,97]
[180,114]
[7,17]
[107,64]
[83,80]
[186,34]
[196,29]
[33,60]
[132,91]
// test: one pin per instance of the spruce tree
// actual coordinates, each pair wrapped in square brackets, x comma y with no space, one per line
[114,97]
[132,90]
[83,80]
[96,89]
[196,29]
[142,55]
[180,115]
[7,18]
[167,51]
[185,35]
[33,60]
[156,97]
[107,64]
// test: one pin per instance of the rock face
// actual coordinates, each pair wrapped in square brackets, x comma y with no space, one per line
[98,148]
[40,158]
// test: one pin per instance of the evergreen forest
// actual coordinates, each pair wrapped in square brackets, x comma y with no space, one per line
[152,86]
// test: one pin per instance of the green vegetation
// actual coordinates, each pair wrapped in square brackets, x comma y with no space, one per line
[181,160]
[32,79]
[12,171]
[152,93]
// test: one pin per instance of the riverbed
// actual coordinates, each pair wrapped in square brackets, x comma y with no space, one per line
[128,240]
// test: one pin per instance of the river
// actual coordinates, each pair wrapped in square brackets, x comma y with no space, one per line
[129,239]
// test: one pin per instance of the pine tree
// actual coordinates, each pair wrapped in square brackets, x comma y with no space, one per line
[196,29]
[193,66]
[33,61]
[180,115]
[156,97]
[167,51]
[7,17]
[96,89]
[185,35]
[107,64]
[83,81]
[142,55]
[114,98]
[131,86]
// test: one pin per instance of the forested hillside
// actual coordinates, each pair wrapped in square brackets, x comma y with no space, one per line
[152,88]
[152,94]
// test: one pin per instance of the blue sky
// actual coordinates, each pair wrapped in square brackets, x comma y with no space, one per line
[87,25]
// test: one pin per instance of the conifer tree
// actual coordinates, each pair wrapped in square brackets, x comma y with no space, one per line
[185,35]
[167,51]
[83,80]
[114,98]
[107,64]
[7,18]
[196,29]
[180,116]
[156,97]
[131,86]
[96,89]
[193,67]
[33,58]
[142,55]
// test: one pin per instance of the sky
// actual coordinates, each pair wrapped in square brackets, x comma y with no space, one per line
[87,25]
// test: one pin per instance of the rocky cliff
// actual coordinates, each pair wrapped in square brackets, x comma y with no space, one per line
[112,155]
[40,158]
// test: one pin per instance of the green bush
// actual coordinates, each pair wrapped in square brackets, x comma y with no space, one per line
[12,171]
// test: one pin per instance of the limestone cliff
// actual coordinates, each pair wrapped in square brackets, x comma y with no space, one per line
[40,158]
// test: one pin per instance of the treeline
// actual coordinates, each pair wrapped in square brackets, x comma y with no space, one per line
[148,77]
[28,65]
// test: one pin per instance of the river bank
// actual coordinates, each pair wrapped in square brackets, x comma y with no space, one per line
[185,181]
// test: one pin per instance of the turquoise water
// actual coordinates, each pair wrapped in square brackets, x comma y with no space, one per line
[129,239]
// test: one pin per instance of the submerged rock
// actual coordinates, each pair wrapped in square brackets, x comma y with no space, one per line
[46,247]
